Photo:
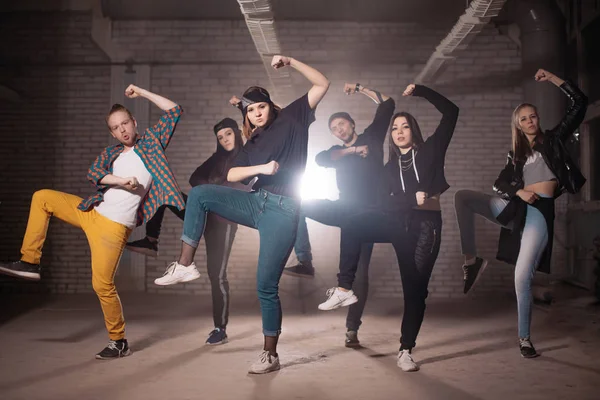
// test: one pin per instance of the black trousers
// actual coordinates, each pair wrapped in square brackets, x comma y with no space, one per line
[218,236]
[415,236]
[337,213]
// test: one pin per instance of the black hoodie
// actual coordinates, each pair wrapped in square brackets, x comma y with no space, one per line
[214,170]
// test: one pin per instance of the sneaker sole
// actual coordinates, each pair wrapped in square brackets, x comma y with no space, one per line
[181,280]
[344,303]
[141,250]
[30,276]
[224,341]
[264,372]
[124,354]
[291,273]
[352,345]
[483,267]
[533,356]
[412,369]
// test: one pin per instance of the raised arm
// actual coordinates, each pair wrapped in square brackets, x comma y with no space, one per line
[377,97]
[576,112]
[163,103]
[384,113]
[319,81]
[445,130]
[164,129]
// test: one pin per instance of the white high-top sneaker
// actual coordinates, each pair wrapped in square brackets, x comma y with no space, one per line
[406,362]
[266,363]
[338,298]
[177,273]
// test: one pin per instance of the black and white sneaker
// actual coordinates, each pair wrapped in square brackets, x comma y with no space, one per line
[143,246]
[527,349]
[21,269]
[115,349]
[302,270]
[352,339]
[473,273]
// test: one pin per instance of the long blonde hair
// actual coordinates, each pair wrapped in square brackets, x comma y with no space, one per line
[520,144]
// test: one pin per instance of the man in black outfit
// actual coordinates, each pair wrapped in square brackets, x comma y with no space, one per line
[358,162]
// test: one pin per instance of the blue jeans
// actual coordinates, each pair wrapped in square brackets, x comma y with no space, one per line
[275,217]
[534,239]
[302,246]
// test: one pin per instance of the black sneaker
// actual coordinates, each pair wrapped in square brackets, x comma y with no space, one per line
[352,339]
[217,336]
[302,270]
[115,349]
[21,269]
[473,272]
[527,349]
[143,246]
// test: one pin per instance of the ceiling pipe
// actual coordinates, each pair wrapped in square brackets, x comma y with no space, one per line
[543,45]
[477,15]
[260,21]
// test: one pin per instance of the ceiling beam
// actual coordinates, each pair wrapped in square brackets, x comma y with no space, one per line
[260,21]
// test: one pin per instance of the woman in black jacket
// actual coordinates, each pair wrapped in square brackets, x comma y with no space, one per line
[538,170]
[219,233]
[409,217]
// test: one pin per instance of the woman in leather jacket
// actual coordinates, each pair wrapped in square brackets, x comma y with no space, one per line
[537,171]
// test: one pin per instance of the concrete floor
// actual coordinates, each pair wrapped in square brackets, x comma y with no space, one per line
[466,350]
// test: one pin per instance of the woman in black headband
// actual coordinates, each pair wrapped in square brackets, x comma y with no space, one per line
[275,153]
[219,233]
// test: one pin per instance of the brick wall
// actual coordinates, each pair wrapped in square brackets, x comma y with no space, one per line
[50,139]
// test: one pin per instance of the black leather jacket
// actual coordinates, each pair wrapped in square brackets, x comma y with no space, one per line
[553,150]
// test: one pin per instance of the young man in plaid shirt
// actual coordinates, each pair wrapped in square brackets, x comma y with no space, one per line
[133,179]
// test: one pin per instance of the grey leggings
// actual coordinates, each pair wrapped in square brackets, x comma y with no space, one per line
[534,239]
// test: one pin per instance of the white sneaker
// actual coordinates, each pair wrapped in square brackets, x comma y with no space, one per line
[338,298]
[176,273]
[406,362]
[266,363]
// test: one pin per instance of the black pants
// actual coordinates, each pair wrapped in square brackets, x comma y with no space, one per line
[155,223]
[416,240]
[218,236]
[337,213]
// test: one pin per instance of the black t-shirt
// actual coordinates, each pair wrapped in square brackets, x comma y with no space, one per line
[285,140]
[361,179]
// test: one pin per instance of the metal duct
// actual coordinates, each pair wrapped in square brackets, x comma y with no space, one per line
[261,25]
[476,16]
[543,45]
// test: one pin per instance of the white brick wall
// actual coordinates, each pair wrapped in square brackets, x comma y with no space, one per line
[50,139]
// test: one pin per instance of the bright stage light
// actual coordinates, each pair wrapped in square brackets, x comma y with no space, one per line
[318,183]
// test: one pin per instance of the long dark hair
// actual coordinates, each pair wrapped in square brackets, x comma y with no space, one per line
[520,144]
[222,160]
[415,130]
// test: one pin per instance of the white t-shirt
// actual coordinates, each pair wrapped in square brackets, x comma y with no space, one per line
[121,205]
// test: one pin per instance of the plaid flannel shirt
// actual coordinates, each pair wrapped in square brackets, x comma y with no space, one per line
[151,148]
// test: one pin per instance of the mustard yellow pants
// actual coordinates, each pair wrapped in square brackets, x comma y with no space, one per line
[106,238]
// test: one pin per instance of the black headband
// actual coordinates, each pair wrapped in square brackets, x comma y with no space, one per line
[255,95]
[226,123]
